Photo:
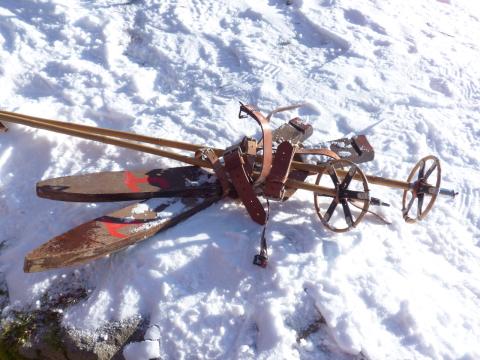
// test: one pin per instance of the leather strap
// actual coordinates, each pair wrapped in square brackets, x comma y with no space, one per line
[266,139]
[261,259]
[218,169]
[275,184]
[234,164]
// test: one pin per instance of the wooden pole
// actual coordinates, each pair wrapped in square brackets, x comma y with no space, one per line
[320,190]
[13,117]
[103,139]
[377,180]
[124,139]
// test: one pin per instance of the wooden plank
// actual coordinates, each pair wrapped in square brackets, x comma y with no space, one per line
[185,181]
[113,232]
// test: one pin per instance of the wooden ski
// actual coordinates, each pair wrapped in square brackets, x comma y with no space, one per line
[113,232]
[185,181]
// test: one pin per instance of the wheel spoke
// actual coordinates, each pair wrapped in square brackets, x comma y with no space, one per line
[324,195]
[333,175]
[409,206]
[348,178]
[432,168]
[420,204]
[347,213]
[357,195]
[330,210]
[421,171]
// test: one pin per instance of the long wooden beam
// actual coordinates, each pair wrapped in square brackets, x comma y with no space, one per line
[89,135]
[15,117]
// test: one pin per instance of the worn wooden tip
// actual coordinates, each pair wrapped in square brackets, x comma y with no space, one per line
[3,127]
[113,232]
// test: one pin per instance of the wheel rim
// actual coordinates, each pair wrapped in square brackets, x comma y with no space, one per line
[344,196]
[421,189]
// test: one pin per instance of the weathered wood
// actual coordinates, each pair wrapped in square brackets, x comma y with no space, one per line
[65,128]
[32,120]
[113,232]
[185,181]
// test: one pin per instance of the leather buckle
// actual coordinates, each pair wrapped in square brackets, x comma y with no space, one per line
[260,260]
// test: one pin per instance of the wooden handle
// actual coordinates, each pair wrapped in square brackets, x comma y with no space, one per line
[13,117]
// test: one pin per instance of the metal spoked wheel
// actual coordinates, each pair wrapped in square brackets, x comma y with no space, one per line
[421,188]
[346,191]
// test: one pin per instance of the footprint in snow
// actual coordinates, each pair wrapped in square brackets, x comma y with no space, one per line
[356,17]
[441,86]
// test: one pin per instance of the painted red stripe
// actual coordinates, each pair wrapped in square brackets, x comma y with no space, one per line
[113,228]
[131,181]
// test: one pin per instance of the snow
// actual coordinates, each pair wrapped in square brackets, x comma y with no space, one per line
[142,350]
[406,74]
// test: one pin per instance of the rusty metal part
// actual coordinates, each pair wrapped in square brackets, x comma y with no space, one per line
[275,183]
[296,131]
[356,149]
[343,195]
[298,124]
[421,188]
[234,165]
[266,140]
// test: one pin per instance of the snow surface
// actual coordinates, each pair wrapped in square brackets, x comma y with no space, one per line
[405,73]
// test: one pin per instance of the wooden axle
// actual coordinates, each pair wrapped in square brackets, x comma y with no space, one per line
[377,180]
[320,190]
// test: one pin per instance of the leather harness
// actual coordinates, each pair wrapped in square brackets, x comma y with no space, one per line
[240,166]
